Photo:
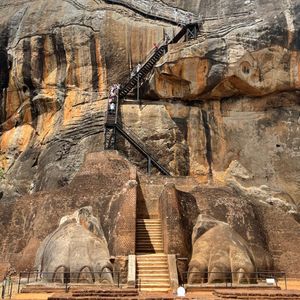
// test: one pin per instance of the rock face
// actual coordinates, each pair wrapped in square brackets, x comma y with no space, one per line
[218,251]
[76,251]
[240,78]
[228,59]
[223,108]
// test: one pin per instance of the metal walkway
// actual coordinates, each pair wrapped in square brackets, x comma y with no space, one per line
[114,126]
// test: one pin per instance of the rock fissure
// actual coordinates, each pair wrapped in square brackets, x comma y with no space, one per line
[208,141]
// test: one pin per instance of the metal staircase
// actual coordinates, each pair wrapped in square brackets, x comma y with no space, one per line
[113,129]
[114,126]
[151,60]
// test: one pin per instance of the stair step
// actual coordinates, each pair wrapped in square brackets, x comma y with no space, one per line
[149,241]
[146,284]
[148,249]
[149,228]
[149,244]
[145,226]
[146,235]
[155,290]
[148,225]
[152,256]
[154,264]
[154,260]
[148,220]
[156,275]
[149,238]
[162,273]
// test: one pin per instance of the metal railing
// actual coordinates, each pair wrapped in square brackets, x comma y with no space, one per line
[152,159]
[64,280]
[235,279]
[7,288]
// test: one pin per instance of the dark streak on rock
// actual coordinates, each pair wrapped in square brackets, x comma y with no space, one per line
[41,58]
[95,75]
[72,70]
[4,72]
[26,73]
[296,42]
[61,61]
[208,140]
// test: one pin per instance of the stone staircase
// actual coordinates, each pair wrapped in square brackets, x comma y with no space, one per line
[148,236]
[152,263]
[153,273]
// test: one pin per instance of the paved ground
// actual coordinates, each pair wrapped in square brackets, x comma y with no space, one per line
[199,295]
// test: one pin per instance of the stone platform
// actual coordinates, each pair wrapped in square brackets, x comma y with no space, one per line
[256,294]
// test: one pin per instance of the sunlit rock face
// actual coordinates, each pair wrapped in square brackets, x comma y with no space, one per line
[76,251]
[244,48]
[223,108]
[57,62]
[240,78]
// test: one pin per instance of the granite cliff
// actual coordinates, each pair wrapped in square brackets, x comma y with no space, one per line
[223,108]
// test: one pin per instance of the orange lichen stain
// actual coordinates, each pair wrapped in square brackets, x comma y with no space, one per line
[101,71]
[27,115]
[74,107]
[17,137]
[13,102]
[50,66]
[24,137]
[295,69]
[186,77]
[46,125]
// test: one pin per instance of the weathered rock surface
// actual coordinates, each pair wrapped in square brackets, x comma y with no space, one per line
[271,246]
[223,108]
[218,251]
[106,182]
[76,251]
[55,80]
[245,48]
[56,75]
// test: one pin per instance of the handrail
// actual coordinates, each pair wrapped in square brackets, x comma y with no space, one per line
[253,277]
[140,146]
[163,43]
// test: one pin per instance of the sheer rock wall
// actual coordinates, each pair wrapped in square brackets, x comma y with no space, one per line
[223,108]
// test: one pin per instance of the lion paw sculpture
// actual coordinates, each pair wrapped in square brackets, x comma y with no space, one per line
[76,251]
[220,254]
